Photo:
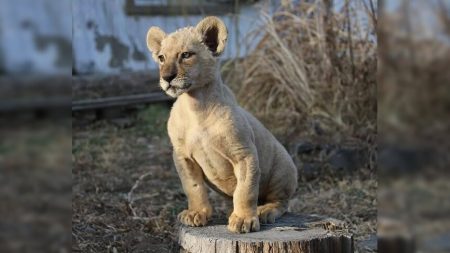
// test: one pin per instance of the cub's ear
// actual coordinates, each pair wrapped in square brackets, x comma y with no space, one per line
[214,34]
[154,38]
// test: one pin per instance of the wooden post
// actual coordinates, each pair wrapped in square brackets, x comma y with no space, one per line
[291,233]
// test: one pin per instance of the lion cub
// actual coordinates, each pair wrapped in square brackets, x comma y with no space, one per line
[215,141]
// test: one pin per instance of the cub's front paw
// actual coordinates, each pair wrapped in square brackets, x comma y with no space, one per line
[193,218]
[243,224]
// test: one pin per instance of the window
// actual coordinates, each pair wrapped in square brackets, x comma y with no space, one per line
[180,7]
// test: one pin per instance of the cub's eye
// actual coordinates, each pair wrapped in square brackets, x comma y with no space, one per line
[161,58]
[187,55]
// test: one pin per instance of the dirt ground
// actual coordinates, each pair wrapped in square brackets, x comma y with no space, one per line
[126,192]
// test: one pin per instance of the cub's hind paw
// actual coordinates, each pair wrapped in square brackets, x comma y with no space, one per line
[268,213]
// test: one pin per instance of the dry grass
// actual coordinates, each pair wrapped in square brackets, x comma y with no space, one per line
[314,71]
[350,199]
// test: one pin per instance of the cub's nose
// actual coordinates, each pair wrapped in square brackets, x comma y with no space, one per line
[169,78]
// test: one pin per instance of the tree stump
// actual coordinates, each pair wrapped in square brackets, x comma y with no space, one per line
[291,233]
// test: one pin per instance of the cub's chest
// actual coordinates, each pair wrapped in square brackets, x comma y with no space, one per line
[185,139]
[198,139]
[202,140]
[204,147]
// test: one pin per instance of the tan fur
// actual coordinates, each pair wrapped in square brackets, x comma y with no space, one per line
[215,141]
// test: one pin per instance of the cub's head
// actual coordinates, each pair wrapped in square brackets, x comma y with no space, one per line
[187,57]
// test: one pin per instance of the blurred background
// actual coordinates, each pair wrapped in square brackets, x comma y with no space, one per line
[35,125]
[356,90]
[413,126]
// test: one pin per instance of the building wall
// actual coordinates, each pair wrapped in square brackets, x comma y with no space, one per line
[106,39]
[94,36]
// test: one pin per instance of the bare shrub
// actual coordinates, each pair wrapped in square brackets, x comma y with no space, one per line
[313,72]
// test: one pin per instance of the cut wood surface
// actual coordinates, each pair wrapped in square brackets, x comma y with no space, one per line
[291,233]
